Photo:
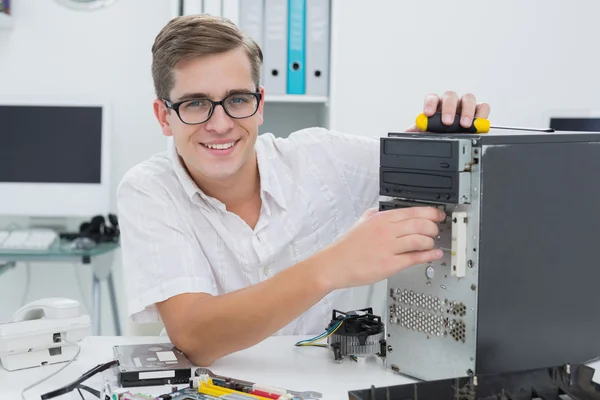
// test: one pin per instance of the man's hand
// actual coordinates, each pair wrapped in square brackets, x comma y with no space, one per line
[450,105]
[380,245]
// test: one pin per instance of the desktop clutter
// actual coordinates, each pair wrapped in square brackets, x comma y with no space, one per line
[97,230]
[43,332]
[48,331]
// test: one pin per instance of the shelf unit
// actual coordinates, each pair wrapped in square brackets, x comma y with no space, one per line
[284,114]
[295,99]
[6,21]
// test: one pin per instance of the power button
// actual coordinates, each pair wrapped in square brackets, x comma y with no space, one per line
[444,165]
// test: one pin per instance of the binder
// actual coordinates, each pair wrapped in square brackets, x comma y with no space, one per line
[251,22]
[177,9]
[231,11]
[317,47]
[212,7]
[192,7]
[251,19]
[296,75]
[275,46]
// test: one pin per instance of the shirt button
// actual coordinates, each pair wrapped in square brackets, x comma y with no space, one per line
[266,271]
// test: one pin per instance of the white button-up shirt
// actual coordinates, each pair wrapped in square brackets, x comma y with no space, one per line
[175,239]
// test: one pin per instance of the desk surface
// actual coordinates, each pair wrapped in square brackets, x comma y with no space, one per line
[60,249]
[275,361]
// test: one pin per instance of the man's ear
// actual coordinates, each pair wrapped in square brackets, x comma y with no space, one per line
[162,114]
[261,105]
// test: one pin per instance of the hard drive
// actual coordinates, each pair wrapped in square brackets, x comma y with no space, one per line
[151,365]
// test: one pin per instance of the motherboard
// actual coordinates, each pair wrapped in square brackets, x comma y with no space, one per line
[208,385]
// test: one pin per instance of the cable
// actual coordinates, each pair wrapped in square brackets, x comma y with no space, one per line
[324,335]
[89,389]
[77,384]
[57,372]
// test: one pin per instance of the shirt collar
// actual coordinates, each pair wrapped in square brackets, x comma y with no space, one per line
[189,186]
[267,168]
[269,182]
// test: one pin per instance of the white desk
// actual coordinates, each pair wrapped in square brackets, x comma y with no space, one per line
[275,362]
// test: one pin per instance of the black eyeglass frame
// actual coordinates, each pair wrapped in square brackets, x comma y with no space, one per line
[175,106]
[78,384]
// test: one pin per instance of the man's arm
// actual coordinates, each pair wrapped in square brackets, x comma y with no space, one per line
[165,268]
[207,327]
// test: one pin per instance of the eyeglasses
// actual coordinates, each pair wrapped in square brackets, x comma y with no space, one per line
[198,111]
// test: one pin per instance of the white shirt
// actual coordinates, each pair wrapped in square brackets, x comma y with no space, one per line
[315,184]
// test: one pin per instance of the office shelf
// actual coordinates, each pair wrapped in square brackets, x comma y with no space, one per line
[291,98]
[6,21]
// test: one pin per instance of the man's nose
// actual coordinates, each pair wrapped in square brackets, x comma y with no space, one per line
[219,121]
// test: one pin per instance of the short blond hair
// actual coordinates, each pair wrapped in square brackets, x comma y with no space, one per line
[192,36]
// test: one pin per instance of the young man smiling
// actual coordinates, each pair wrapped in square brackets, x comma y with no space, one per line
[235,236]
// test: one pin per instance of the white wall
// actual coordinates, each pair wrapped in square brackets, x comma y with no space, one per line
[523,57]
[55,52]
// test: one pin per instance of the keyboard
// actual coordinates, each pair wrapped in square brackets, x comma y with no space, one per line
[27,239]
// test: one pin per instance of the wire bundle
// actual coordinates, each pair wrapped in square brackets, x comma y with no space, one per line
[324,335]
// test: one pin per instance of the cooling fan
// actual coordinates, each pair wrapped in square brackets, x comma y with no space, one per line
[356,333]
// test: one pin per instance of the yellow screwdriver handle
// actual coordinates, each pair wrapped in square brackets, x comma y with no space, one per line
[434,124]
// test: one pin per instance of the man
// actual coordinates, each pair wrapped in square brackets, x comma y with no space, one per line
[235,236]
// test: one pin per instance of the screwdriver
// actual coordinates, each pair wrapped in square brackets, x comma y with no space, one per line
[479,125]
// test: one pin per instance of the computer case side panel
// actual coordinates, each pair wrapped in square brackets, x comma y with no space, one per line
[538,291]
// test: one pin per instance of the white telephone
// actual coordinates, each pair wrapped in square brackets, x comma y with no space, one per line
[36,335]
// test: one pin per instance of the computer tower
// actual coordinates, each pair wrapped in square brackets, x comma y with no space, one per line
[518,287]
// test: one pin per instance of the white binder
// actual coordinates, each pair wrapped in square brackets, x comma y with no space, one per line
[317,47]
[231,11]
[212,7]
[192,7]
[251,21]
[275,47]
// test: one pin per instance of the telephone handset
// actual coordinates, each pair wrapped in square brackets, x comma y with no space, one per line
[50,308]
[39,331]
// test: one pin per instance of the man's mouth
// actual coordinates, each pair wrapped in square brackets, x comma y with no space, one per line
[219,146]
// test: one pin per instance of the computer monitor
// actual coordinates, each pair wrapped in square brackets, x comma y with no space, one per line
[54,158]
[575,121]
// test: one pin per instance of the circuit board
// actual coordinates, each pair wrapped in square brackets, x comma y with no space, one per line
[183,394]
[207,385]
[207,392]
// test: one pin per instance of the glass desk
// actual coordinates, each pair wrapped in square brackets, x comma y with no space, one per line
[62,251]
